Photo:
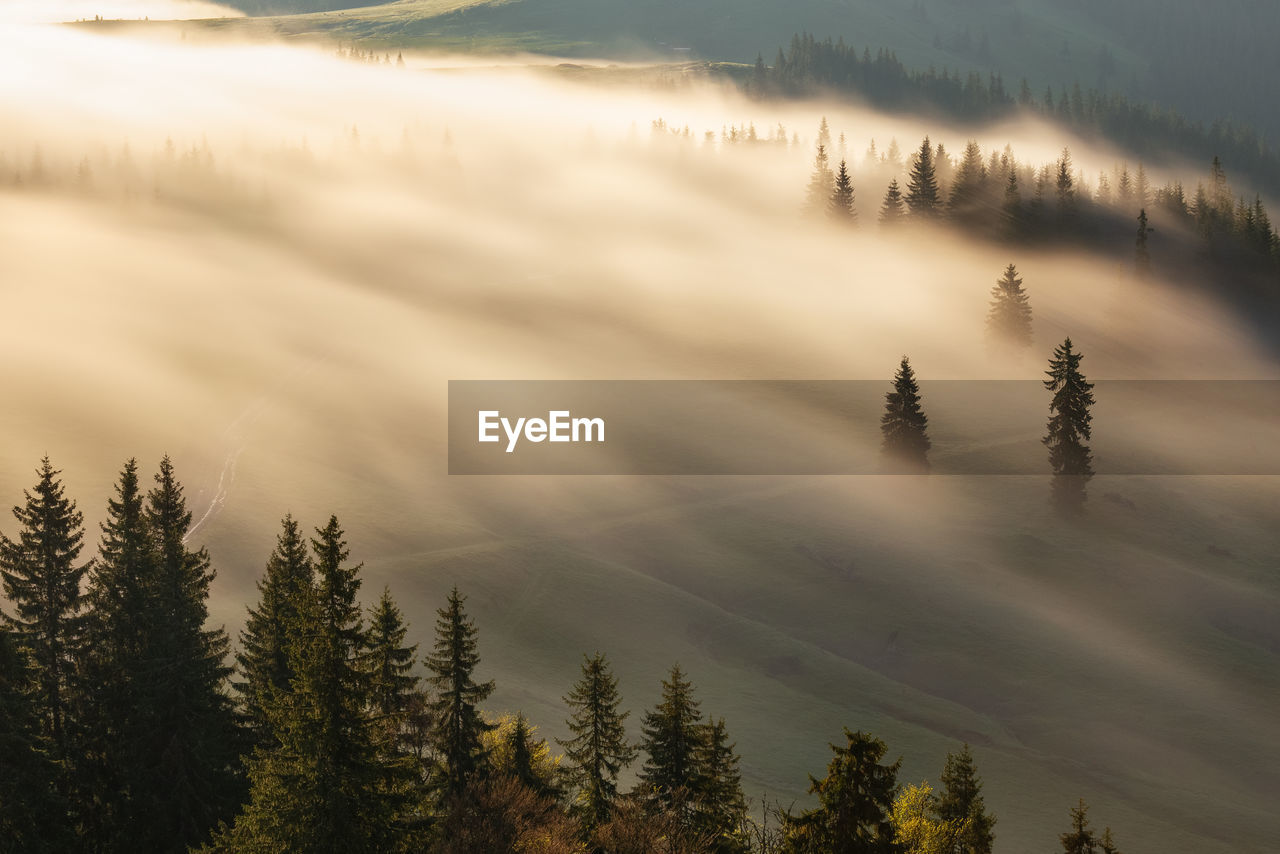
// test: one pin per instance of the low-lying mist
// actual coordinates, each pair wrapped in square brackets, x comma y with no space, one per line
[268,261]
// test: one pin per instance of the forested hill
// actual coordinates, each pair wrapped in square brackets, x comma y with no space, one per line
[810,65]
[1208,61]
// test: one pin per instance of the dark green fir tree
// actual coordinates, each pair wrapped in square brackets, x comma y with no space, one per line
[41,572]
[317,788]
[273,626]
[1069,428]
[33,813]
[923,195]
[854,803]
[721,806]
[458,724]
[961,806]
[904,426]
[673,740]
[840,206]
[598,749]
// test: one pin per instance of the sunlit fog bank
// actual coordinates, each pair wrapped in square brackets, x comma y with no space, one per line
[269,261]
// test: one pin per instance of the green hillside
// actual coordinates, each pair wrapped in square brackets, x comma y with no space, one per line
[1113,660]
[1210,62]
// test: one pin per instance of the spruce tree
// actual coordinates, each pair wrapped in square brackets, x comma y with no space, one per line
[893,211]
[1009,314]
[923,195]
[187,771]
[41,576]
[966,202]
[118,668]
[840,206]
[390,662]
[1142,256]
[316,788]
[855,801]
[722,809]
[903,426]
[1069,428]
[599,749]
[33,814]
[821,183]
[961,805]
[272,627]
[1011,209]
[1080,839]
[458,725]
[673,740]
[393,690]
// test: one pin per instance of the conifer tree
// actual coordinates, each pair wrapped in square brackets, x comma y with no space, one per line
[821,183]
[273,625]
[192,745]
[673,740]
[1142,257]
[903,426]
[1069,428]
[599,749]
[41,576]
[393,690]
[962,808]
[1009,315]
[33,814]
[855,800]
[1065,183]
[923,195]
[722,809]
[526,758]
[840,206]
[967,191]
[458,725]
[317,788]
[893,211]
[117,664]
[1080,839]
[1011,209]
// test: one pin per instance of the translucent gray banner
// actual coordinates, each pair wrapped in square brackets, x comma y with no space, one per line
[793,427]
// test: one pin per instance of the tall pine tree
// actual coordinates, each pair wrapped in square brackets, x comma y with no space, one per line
[1009,313]
[41,576]
[673,740]
[961,805]
[840,206]
[1069,428]
[458,724]
[598,749]
[855,801]
[923,195]
[722,809]
[33,815]
[273,625]
[316,789]
[903,426]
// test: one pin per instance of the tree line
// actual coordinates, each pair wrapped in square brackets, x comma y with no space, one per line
[126,726]
[810,65]
[997,197]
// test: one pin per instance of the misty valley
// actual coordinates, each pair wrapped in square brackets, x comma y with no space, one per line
[253,258]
